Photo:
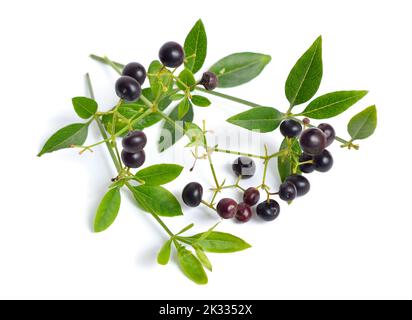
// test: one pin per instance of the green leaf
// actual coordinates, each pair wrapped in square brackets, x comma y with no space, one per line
[304,78]
[173,133]
[203,259]
[219,242]
[183,107]
[200,101]
[73,134]
[196,47]
[331,104]
[263,119]
[159,174]
[188,227]
[191,266]
[186,80]
[177,97]
[195,135]
[161,79]
[157,200]
[107,210]
[363,125]
[239,68]
[163,256]
[84,107]
[286,162]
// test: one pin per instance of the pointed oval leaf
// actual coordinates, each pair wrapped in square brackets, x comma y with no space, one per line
[196,47]
[331,104]
[200,101]
[219,242]
[186,80]
[84,107]
[239,68]
[183,107]
[263,119]
[159,174]
[304,78]
[163,256]
[203,259]
[161,79]
[363,125]
[191,266]
[286,163]
[107,210]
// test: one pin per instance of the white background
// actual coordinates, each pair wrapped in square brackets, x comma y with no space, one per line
[349,238]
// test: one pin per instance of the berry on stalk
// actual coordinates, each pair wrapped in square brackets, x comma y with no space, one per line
[243,213]
[134,141]
[227,208]
[268,210]
[192,194]
[287,191]
[171,54]
[290,128]
[329,133]
[301,183]
[323,161]
[136,71]
[309,166]
[127,88]
[209,80]
[251,196]
[133,160]
[313,141]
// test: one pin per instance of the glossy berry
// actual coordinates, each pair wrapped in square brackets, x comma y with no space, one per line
[244,167]
[244,212]
[301,183]
[209,80]
[306,167]
[227,208]
[136,71]
[134,141]
[313,141]
[171,54]
[192,194]
[251,196]
[133,160]
[329,133]
[290,128]
[287,191]
[268,210]
[323,161]
[127,88]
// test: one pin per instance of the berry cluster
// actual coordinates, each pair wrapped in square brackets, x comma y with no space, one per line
[133,155]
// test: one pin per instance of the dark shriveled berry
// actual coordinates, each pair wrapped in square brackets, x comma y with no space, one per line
[136,71]
[227,208]
[133,160]
[251,196]
[192,194]
[171,54]
[287,191]
[127,88]
[329,133]
[290,128]
[134,141]
[323,161]
[268,210]
[306,167]
[209,80]
[243,213]
[313,141]
[301,183]
[244,167]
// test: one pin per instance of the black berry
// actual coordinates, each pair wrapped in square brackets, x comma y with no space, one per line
[287,191]
[243,213]
[268,210]
[244,167]
[134,141]
[136,71]
[192,194]
[209,80]
[133,160]
[226,208]
[306,167]
[323,161]
[127,88]
[290,128]
[251,196]
[301,183]
[329,133]
[313,141]
[171,54]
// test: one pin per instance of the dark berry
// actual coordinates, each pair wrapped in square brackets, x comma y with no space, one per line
[192,194]
[127,88]
[244,167]
[251,196]
[290,128]
[209,80]
[306,121]
[268,210]
[136,71]
[226,208]
[133,160]
[134,141]
[329,133]
[313,141]
[171,54]
[287,191]
[306,167]
[244,212]
[301,183]
[323,161]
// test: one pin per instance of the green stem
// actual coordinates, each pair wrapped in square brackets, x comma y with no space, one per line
[125,129]
[238,153]
[103,60]
[113,65]
[229,97]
